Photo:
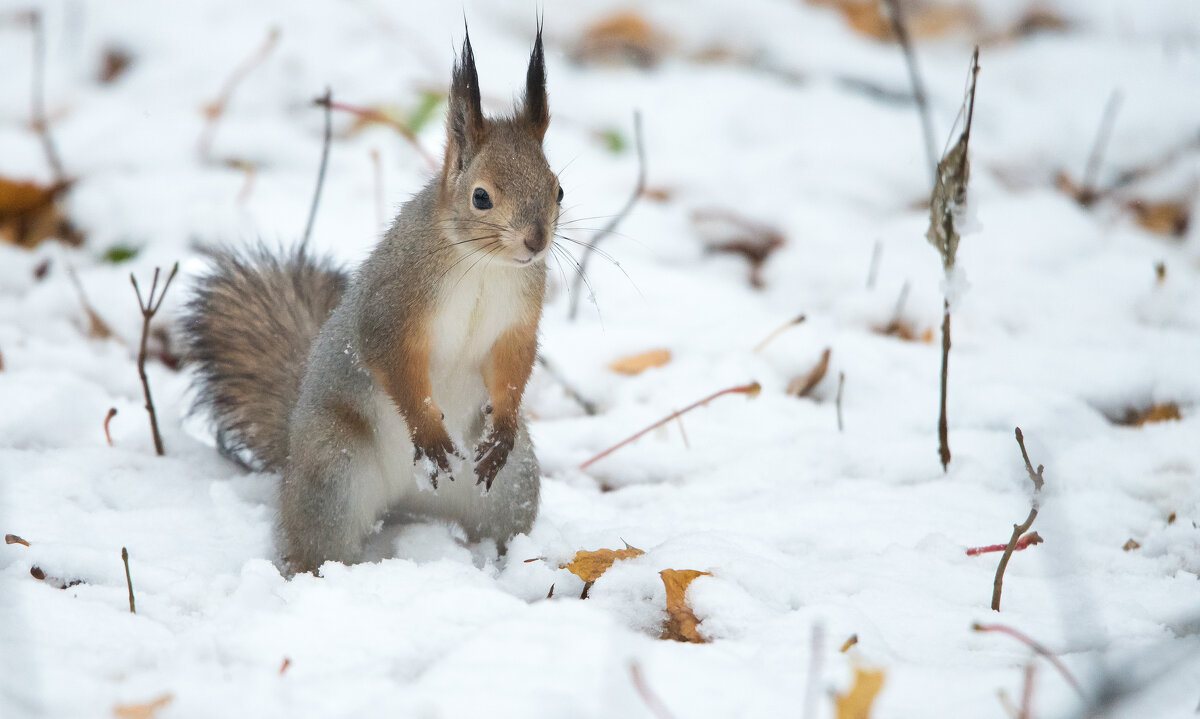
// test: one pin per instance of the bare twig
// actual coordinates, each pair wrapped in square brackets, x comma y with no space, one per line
[1035,646]
[1088,193]
[657,708]
[1018,529]
[370,115]
[324,101]
[37,100]
[873,268]
[1026,711]
[97,327]
[1024,542]
[149,307]
[751,389]
[778,331]
[616,220]
[214,110]
[589,407]
[112,412]
[914,76]
[949,199]
[128,579]
[838,401]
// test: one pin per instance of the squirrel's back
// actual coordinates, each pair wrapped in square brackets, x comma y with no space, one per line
[248,330]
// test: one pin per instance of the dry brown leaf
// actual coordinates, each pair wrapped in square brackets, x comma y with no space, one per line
[924,19]
[1131,545]
[113,64]
[149,710]
[681,624]
[802,386]
[14,539]
[638,363]
[588,566]
[856,703]
[658,194]
[727,232]
[623,38]
[30,213]
[849,643]
[1162,218]
[1154,413]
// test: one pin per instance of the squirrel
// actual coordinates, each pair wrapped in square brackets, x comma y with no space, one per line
[362,391]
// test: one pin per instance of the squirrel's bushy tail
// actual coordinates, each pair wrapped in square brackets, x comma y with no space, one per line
[248,328]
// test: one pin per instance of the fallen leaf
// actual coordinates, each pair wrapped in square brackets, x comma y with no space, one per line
[14,539]
[113,64]
[1134,417]
[681,624]
[30,213]
[589,566]
[802,386]
[1162,218]
[657,194]
[724,231]
[849,643]
[1131,545]
[638,363]
[924,19]
[856,703]
[148,710]
[623,38]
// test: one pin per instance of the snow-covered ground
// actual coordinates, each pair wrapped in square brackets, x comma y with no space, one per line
[772,109]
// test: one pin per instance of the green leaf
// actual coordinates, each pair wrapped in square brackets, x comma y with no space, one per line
[120,253]
[424,111]
[613,141]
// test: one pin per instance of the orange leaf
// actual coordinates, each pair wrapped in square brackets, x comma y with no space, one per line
[924,20]
[29,213]
[142,711]
[1163,218]
[636,364]
[1154,413]
[588,566]
[856,703]
[681,624]
[623,38]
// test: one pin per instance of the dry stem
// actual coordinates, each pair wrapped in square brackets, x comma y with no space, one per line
[367,113]
[838,401]
[215,110]
[112,412]
[1018,529]
[652,701]
[1088,193]
[751,389]
[914,76]
[1035,646]
[325,101]
[128,579]
[778,331]
[589,407]
[149,307]
[37,100]
[616,220]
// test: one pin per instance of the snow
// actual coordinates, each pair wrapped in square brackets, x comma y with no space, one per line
[805,529]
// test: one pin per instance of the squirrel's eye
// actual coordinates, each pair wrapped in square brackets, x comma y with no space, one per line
[560,193]
[481,199]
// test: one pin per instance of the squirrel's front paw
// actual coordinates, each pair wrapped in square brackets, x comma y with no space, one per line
[432,457]
[492,454]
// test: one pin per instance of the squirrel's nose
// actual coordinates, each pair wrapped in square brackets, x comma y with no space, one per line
[535,241]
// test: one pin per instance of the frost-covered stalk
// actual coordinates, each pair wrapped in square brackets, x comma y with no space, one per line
[947,207]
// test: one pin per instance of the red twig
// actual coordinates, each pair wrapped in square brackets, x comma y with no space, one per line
[371,115]
[751,389]
[1027,541]
[1027,692]
[639,682]
[1035,646]
[112,412]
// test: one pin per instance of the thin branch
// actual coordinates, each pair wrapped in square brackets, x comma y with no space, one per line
[112,412]
[873,268]
[657,708]
[751,389]
[589,407]
[1087,192]
[97,327]
[128,579]
[943,422]
[1035,646]
[37,100]
[324,101]
[214,110]
[149,307]
[1027,692]
[370,115]
[1025,542]
[1018,529]
[616,220]
[778,331]
[838,400]
[812,691]
[918,86]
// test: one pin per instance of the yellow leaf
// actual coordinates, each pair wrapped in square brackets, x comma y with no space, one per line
[588,566]
[636,364]
[856,703]
[681,622]
[148,710]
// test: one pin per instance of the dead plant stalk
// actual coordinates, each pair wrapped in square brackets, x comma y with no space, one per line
[149,308]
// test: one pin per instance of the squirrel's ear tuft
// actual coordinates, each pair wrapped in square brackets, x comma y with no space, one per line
[466,130]
[536,110]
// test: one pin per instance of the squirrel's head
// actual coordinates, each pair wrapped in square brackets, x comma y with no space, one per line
[498,194]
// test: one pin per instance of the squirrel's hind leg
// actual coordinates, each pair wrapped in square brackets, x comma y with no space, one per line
[328,501]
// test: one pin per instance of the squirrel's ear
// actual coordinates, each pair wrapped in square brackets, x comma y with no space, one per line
[466,130]
[536,107]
